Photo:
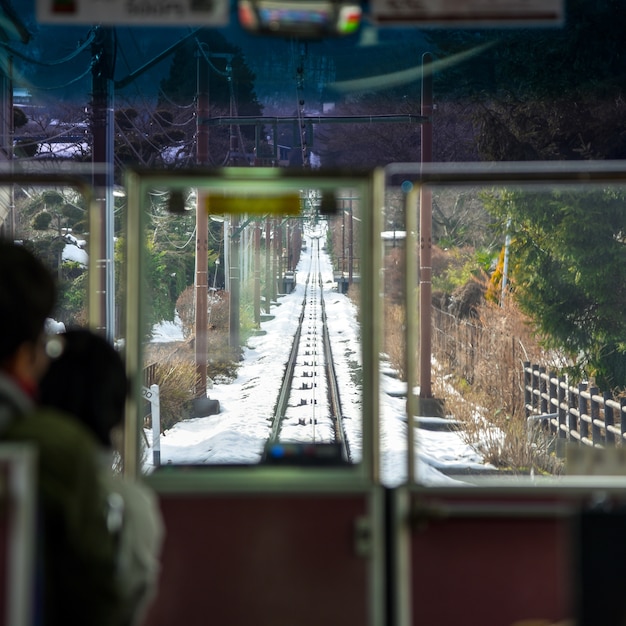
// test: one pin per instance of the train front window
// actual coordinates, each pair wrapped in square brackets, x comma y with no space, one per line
[263,362]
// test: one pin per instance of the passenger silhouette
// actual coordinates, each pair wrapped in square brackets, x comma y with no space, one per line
[88,380]
[76,553]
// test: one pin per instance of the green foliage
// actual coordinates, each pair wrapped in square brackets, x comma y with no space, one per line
[75,217]
[460,266]
[158,300]
[49,249]
[42,221]
[568,269]
[51,198]
[72,301]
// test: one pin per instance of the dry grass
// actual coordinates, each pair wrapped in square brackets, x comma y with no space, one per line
[394,340]
[504,440]
[175,363]
[176,377]
[478,372]
[489,398]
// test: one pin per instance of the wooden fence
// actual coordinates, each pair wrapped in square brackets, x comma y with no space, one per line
[577,414]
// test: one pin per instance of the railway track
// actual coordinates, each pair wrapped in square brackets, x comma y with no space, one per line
[308,408]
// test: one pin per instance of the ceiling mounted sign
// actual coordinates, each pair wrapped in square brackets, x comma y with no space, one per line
[134,12]
[469,13]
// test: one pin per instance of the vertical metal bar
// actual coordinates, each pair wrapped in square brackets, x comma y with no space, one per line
[372,203]
[411,319]
[95,276]
[134,258]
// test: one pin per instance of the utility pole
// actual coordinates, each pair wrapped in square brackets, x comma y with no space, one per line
[257,273]
[426,269]
[235,283]
[268,265]
[202,230]
[102,124]
[428,406]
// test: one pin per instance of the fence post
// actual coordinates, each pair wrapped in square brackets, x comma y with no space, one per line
[527,391]
[609,418]
[572,419]
[583,409]
[543,387]
[562,411]
[594,413]
[534,402]
[622,418]
[553,402]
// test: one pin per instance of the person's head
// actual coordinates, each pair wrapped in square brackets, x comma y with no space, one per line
[27,298]
[88,380]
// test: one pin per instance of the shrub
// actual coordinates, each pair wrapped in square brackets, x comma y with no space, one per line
[176,378]
[490,404]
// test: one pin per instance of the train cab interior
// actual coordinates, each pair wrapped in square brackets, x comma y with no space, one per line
[365,263]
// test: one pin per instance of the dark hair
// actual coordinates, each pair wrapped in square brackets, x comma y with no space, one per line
[88,380]
[27,297]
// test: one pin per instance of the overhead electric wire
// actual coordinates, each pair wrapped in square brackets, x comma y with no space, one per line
[179,247]
[154,120]
[175,104]
[205,56]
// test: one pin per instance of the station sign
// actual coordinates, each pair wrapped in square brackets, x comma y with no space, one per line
[469,13]
[134,12]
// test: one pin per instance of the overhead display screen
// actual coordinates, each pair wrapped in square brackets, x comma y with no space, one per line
[495,13]
[134,12]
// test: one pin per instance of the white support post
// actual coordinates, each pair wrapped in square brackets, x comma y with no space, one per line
[156,425]
[152,395]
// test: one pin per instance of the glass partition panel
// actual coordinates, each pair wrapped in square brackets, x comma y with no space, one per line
[58,218]
[506,282]
[249,301]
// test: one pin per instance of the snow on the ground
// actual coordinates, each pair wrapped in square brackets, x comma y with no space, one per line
[238,432]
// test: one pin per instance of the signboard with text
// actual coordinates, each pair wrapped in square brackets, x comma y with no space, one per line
[469,13]
[134,12]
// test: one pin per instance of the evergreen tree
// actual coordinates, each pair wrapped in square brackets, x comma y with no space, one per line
[554,93]
[568,269]
[230,86]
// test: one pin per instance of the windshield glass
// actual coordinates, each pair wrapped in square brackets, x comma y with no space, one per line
[494,319]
